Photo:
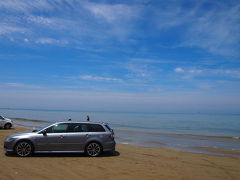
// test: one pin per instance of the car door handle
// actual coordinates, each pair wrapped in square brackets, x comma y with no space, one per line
[87,135]
[61,136]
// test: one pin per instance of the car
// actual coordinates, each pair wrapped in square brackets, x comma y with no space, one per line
[63,137]
[5,123]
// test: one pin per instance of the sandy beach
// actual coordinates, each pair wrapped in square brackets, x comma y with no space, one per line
[129,162]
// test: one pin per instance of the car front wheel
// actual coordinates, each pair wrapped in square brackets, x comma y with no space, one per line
[93,149]
[7,126]
[24,148]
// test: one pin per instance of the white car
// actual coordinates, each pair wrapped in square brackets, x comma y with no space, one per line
[5,123]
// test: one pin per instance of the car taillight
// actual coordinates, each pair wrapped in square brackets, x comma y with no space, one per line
[112,136]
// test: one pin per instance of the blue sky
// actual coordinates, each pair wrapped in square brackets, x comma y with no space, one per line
[150,56]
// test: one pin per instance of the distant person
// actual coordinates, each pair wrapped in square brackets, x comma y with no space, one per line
[69,119]
[88,118]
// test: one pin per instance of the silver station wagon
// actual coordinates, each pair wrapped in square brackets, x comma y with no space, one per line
[63,137]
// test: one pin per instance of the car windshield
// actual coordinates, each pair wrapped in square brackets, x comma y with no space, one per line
[40,129]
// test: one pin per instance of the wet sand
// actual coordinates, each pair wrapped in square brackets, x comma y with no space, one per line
[230,152]
[129,162]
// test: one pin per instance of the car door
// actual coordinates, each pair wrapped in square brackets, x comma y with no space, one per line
[53,138]
[76,137]
[41,142]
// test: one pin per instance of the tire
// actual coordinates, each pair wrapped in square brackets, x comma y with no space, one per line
[7,126]
[112,153]
[24,148]
[93,149]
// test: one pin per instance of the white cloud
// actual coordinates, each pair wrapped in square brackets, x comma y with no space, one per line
[152,61]
[188,70]
[96,78]
[117,20]
[8,29]
[19,85]
[189,73]
[215,29]
[13,84]
[179,69]
[235,73]
[112,13]
[144,69]
[50,41]
[26,40]
[57,24]
[40,20]
[195,71]
[27,6]
[90,24]
[139,72]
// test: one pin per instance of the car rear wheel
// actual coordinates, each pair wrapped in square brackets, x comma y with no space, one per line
[93,149]
[7,126]
[24,148]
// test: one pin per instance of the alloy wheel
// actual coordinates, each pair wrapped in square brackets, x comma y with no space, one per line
[94,149]
[23,149]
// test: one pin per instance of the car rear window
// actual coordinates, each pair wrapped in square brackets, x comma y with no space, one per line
[108,127]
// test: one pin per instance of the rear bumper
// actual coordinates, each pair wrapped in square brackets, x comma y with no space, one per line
[109,146]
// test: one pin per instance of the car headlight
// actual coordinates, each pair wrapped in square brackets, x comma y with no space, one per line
[10,139]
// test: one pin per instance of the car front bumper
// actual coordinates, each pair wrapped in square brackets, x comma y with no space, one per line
[8,146]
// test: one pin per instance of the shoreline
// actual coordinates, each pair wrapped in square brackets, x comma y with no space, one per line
[200,150]
[129,162]
[195,149]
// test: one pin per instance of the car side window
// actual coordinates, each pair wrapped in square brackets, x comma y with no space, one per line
[85,127]
[1,118]
[75,128]
[96,128]
[78,127]
[58,128]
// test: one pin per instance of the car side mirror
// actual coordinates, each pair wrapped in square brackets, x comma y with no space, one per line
[44,132]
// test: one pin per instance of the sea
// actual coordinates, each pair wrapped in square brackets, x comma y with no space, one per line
[217,134]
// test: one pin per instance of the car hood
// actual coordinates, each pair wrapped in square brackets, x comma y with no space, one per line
[21,134]
[7,119]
